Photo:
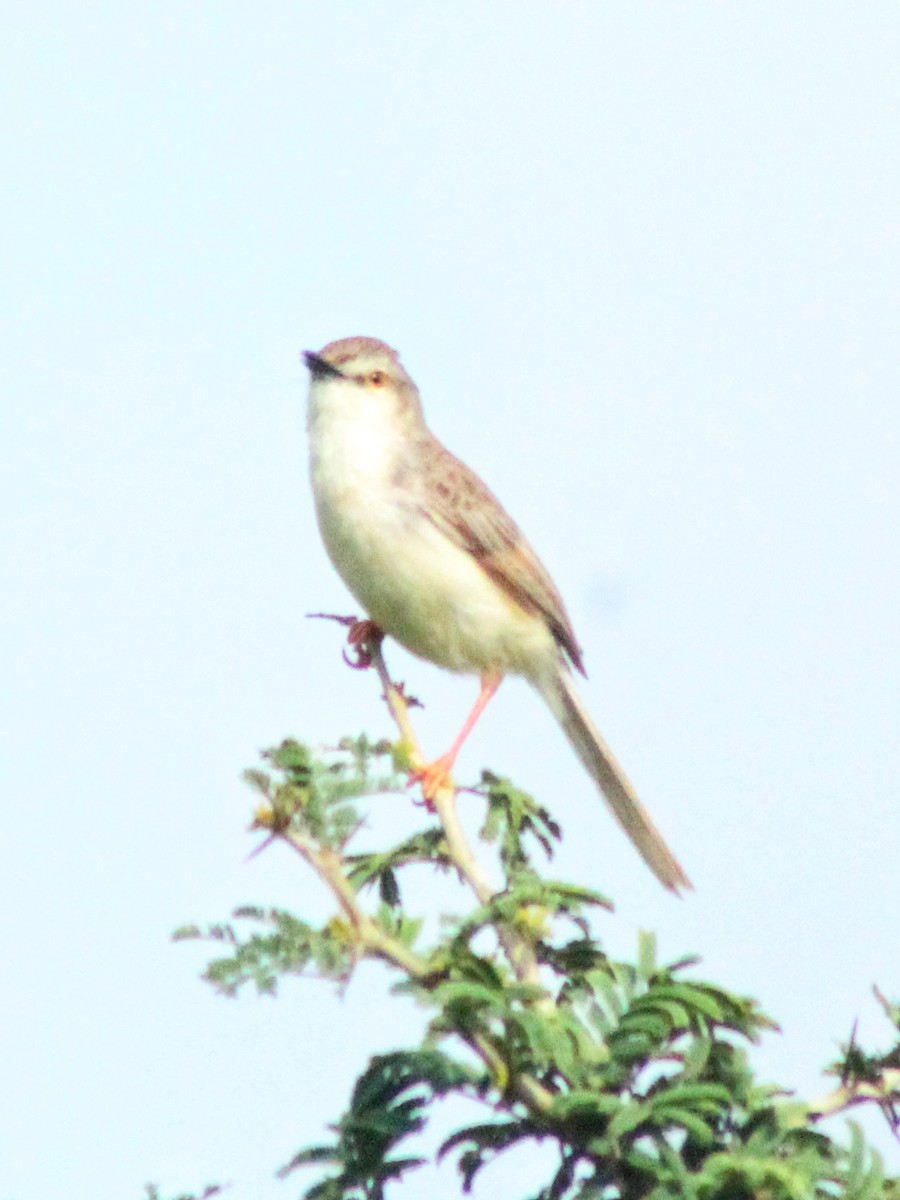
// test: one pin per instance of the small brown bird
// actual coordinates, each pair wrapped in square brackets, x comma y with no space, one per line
[437,563]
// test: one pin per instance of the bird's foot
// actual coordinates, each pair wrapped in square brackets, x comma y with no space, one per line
[361,634]
[433,776]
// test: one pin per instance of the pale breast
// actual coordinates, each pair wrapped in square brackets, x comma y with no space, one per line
[412,580]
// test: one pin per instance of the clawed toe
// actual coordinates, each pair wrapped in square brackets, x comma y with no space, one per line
[433,777]
[361,633]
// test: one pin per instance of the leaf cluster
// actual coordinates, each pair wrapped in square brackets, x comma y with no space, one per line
[636,1073]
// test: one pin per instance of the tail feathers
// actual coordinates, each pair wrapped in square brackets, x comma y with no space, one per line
[563,700]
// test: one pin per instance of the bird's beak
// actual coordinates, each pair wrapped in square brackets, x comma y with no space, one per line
[321,368]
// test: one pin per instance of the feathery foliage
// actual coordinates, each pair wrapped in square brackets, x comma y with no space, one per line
[635,1072]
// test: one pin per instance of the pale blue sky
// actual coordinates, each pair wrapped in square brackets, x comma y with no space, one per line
[644,262]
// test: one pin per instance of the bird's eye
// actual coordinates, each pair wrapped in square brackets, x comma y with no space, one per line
[377,378]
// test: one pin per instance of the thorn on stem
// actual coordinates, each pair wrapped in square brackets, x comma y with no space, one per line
[409,700]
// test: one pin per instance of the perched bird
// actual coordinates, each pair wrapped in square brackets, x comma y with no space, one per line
[438,564]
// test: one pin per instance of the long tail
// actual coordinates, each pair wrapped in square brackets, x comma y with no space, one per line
[566,705]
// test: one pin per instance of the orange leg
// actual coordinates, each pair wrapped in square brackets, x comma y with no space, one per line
[435,775]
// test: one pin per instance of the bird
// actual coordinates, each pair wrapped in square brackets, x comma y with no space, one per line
[439,565]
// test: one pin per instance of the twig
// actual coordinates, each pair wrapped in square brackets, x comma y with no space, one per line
[520,954]
[374,940]
[885,1092]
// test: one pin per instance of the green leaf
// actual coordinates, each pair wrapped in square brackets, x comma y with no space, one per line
[628,1117]
[582,1102]
[696,1125]
[711,1097]
[646,964]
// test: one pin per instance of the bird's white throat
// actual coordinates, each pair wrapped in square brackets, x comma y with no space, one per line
[354,443]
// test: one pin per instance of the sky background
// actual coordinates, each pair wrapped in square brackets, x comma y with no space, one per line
[644,262]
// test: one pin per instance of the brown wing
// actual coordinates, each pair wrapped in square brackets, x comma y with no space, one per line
[463,508]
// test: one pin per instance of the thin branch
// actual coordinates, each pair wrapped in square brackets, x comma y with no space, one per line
[375,941]
[885,1092]
[520,954]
